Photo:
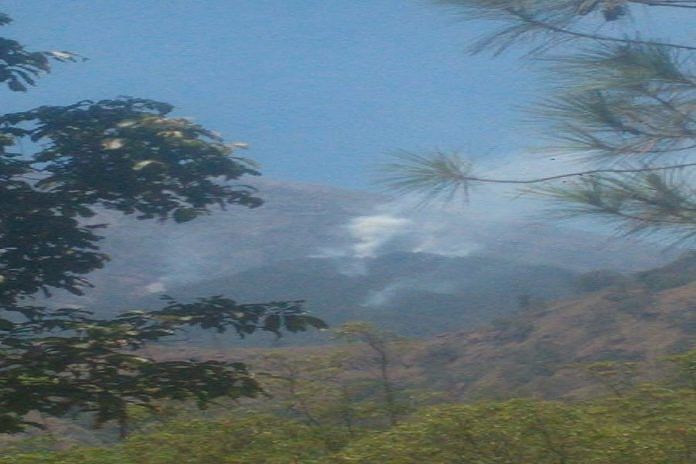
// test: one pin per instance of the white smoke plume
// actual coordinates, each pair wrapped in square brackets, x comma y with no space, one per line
[392,290]
[373,232]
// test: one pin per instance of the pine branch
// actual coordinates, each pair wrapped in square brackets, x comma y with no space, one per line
[597,37]
[415,173]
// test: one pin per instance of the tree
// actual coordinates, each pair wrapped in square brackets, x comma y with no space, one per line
[524,431]
[685,369]
[315,390]
[381,345]
[60,167]
[623,103]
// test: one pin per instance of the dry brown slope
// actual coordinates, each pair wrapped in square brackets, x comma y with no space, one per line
[537,353]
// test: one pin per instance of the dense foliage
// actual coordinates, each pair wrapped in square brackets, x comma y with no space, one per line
[652,424]
[61,170]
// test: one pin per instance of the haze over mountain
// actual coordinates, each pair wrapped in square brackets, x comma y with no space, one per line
[359,255]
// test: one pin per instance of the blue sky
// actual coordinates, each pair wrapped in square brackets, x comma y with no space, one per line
[320,89]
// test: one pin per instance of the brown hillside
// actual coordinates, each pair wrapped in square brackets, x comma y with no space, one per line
[537,353]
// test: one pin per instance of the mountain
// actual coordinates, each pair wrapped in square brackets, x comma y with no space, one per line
[355,255]
[415,294]
[538,352]
[627,330]
[544,351]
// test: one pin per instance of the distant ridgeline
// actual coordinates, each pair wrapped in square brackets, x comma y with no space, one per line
[438,272]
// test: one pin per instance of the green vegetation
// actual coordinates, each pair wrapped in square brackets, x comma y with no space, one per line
[648,424]
[340,402]
[60,169]
[649,427]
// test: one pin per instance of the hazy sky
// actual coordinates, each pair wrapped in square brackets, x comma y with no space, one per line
[320,89]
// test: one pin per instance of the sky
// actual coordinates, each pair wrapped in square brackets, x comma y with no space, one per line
[321,90]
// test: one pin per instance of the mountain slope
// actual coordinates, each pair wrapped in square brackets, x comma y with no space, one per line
[537,352]
[300,221]
[415,294]
[543,351]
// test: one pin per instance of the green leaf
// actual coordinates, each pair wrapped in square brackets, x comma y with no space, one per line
[185,215]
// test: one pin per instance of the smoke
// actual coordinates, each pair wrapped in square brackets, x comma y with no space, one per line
[155,287]
[384,296]
[350,229]
[373,232]
[396,227]
[388,293]
[455,229]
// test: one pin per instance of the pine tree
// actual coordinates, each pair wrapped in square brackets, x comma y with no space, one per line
[624,104]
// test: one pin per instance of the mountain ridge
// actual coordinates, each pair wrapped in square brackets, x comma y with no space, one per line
[298,220]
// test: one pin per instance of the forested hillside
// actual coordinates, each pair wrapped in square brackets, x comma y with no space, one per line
[585,367]
[420,281]
[580,364]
